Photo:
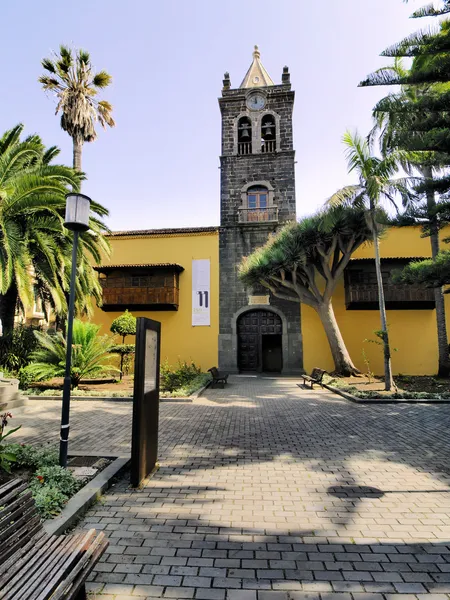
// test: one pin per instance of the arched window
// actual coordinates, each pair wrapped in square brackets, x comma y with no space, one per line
[244,136]
[268,134]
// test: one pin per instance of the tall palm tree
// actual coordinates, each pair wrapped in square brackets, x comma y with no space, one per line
[76,87]
[34,246]
[388,124]
[376,184]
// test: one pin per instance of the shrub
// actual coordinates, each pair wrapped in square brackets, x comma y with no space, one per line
[56,477]
[7,454]
[25,378]
[16,347]
[124,325]
[51,487]
[89,354]
[49,501]
[32,457]
[172,379]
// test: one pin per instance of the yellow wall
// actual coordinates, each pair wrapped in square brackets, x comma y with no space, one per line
[412,332]
[178,338]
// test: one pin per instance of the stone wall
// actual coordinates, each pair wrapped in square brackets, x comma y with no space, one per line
[237,240]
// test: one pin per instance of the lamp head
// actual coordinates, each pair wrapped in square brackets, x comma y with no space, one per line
[78,208]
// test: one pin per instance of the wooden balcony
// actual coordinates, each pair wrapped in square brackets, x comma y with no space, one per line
[364,296]
[258,215]
[140,287]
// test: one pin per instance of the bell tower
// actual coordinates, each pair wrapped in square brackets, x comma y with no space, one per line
[258,332]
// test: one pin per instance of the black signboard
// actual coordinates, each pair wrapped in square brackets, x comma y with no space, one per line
[144,443]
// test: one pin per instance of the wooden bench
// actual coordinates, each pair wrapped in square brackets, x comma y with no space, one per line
[315,377]
[35,565]
[218,377]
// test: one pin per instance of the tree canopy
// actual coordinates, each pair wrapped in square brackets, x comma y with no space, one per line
[70,76]
[304,262]
[35,248]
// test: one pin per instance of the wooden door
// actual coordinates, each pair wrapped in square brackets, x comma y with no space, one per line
[251,326]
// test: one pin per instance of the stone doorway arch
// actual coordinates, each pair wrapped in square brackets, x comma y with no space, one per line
[259,341]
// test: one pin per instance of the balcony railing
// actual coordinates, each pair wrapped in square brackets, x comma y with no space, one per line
[397,296]
[258,215]
[268,146]
[156,298]
[244,148]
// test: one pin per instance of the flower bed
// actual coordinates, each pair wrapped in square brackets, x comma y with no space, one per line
[421,388]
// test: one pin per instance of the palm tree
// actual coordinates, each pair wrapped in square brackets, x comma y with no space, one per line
[34,246]
[76,87]
[90,356]
[389,124]
[375,184]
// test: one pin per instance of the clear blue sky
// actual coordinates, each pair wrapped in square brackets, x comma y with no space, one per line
[159,166]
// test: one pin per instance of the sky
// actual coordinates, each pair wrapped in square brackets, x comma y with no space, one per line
[159,167]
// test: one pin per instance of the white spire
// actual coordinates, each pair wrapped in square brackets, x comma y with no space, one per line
[256,76]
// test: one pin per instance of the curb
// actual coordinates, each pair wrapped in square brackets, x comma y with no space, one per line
[200,391]
[79,503]
[352,398]
[105,398]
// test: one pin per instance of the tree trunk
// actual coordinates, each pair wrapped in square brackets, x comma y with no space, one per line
[8,304]
[77,148]
[389,382]
[444,357]
[343,364]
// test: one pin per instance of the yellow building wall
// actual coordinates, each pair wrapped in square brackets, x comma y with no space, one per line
[179,340]
[412,332]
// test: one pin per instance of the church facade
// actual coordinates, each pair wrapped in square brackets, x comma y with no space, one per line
[188,278]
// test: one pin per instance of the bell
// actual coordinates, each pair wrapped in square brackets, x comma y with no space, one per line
[268,128]
[245,133]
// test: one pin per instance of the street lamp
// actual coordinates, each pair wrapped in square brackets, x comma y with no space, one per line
[77,220]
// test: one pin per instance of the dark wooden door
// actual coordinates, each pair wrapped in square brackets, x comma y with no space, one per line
[251,326]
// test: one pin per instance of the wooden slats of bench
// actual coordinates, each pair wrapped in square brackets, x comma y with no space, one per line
[35,565]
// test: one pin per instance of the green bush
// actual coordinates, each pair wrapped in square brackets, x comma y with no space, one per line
[49,501]
[171,379]
[51,487]
[57,477]
[16,347]
[32,457]
[189,388]
[90,356]
[25,378]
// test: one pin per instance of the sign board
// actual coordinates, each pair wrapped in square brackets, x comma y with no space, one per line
[144,441]
[258,300]
[201,292]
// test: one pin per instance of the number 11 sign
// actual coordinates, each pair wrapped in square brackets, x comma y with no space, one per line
[201,300]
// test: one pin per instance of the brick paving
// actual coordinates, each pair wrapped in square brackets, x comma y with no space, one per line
[269,492]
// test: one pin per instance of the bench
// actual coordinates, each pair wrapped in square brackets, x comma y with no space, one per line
[35,565]
[218,377]
[315,377]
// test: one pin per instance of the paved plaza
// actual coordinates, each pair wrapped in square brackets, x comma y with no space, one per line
[266,491]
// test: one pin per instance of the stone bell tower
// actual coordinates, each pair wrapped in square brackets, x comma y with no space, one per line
[258,332]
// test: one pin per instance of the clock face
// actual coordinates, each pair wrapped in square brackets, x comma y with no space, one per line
[256,102]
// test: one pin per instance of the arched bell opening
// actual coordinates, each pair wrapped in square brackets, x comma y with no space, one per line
[268,134]
[244,136]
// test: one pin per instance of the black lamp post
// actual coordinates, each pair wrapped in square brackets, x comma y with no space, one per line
[77,219]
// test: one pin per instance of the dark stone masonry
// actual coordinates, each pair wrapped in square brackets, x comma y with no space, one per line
[274,170]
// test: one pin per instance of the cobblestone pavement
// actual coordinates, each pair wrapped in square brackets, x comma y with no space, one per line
[269,492]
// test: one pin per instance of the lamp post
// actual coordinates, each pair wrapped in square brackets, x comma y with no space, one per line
[77,220]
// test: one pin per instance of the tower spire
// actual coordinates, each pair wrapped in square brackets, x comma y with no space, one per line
[256,76]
